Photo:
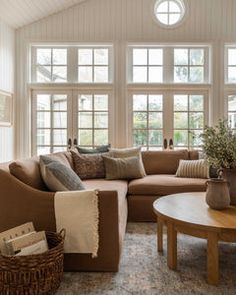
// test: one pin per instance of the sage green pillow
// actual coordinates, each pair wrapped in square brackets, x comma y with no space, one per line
[123,168]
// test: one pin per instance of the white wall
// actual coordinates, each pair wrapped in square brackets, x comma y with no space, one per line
[122,21]
[7,63]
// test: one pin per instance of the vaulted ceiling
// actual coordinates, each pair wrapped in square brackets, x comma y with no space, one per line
[18,13]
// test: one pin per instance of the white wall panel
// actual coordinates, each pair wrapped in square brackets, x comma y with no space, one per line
[7,52]
[123,21]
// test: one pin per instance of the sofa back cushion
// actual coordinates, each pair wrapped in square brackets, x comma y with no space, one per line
[28,170]
[163,162]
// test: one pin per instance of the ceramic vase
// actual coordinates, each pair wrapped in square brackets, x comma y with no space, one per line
[217,194]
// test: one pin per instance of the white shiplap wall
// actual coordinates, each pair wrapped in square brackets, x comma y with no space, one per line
[120,22]
[7,53]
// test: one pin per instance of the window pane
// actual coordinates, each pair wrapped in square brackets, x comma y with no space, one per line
[196,120]
[85,120]
[100,137]
[139,56]
[174,7]
[155,102]
[140,137]
[155,120]
[196,74]
[43,136]
[231,57]
[155,137]
[59,102]
[85,102]
[163,7]
[85,56]
[140,120]
[59,149]
[43,102]
[100,74]
[181,138]
[174,18]
[196,57]
[181,56]
[232,74]
[43,74]
[140,102]
[85,74]
[155,74]
[155,57]
[59,137]
[181,120]
[232,120]
[181,74]
[43,150]
[100,120]
[59,74]
[59,56]
[163,18]
[59,120]
[180,102]
[196,103]
[85,137]
[43,56]
[43,119]
[100,56]
[232,102]
[194,138]
[101,102]
[140,74]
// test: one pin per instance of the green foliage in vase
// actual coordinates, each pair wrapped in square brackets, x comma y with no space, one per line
[219,145]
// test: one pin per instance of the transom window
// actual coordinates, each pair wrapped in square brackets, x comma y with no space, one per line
[51,65]
[169,12]
[168,64]
[230,69]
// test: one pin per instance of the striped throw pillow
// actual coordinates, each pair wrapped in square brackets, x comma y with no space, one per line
[193,169]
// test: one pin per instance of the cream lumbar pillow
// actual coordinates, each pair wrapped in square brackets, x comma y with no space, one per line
[123,168]
[129,152]
[193,169]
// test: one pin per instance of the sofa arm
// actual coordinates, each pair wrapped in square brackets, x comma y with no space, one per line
[20,203]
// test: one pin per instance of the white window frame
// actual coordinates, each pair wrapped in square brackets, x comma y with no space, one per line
[226,82]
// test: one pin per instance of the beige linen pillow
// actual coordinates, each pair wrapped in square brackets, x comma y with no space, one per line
[129,152]
[193,169]
[123,168]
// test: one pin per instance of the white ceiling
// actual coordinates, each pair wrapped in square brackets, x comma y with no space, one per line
[18,13]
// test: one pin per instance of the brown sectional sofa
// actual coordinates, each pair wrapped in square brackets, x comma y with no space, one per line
[23,197]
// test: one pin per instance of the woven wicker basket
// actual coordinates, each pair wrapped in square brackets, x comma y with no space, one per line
[34,274]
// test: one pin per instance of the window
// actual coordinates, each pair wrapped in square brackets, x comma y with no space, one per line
[92,119]
[230,69]
[51,65]
[232,111]
[147,121]
[188,120]
[147,65]
[169,12]
[93,65]
[50,123]
[168,64]
[189,65]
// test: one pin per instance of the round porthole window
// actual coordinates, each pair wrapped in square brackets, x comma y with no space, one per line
[169,13]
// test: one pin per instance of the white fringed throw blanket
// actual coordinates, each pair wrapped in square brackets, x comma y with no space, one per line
[77,213]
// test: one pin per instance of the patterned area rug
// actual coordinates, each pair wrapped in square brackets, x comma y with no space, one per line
[143,271]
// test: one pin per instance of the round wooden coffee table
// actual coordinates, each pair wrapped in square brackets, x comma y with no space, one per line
[188,213]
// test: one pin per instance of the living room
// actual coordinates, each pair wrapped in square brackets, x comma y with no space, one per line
[134,102]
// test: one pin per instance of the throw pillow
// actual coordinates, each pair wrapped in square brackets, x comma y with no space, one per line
[129,152]
[88,166]
[98,149]
[193,169]
[123,168]
[59,177]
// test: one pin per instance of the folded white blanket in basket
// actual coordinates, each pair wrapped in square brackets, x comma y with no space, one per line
[77,213]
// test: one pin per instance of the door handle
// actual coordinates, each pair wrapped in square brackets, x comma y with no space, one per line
[75,142]
[171,144]
[69,143]
[165,144]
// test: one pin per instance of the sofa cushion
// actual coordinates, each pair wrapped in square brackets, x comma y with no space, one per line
[193,169]
[96,150]
[162,185]
[123,168]
[59,177]
[163,162]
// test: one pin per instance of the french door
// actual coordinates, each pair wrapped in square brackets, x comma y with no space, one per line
[61,119]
